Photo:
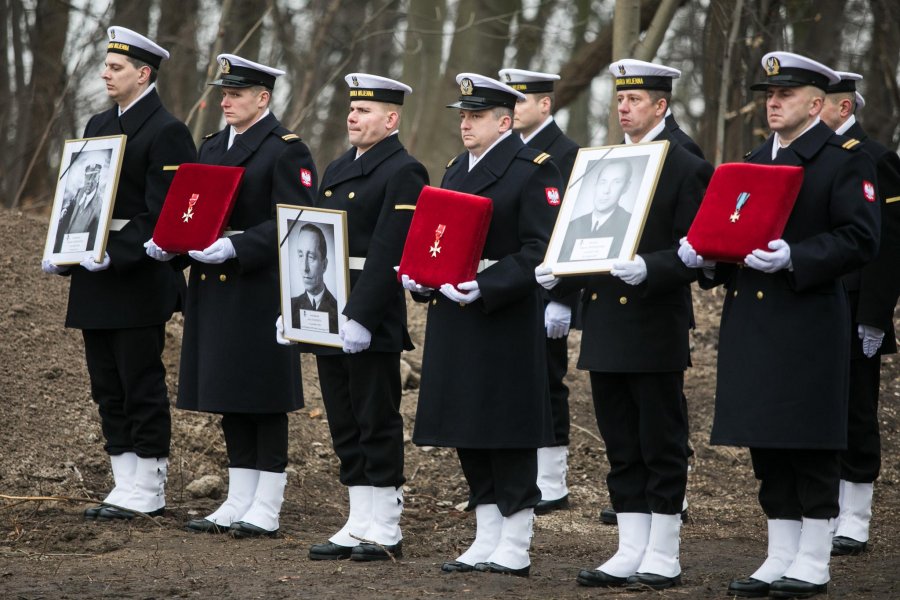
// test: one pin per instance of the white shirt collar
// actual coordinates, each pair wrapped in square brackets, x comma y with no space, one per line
[232,132]
[776,139]
[847,125]
[87,198]
[317,299]
[546,122]
[474,161]
[149,89]
[651,135]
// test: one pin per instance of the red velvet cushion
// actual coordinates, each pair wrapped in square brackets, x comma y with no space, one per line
[718,233]
[446,237]
[197,207]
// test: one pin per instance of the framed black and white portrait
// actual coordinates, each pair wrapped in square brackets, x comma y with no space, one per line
[84,199]
[605,207]
[314,274]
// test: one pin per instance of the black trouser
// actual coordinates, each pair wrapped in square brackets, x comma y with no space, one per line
[256,441]
[643,424]
[797,483]
[557,366]
[506,477]
[128,383]
[362,395]
[861,461]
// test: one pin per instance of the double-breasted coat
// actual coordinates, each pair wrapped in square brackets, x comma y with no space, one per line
[230,361]
[783,340]
[378,191]
[874,288]
[645,328]
[484,376]
[135,291]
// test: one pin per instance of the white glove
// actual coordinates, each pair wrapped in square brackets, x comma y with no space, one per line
[770,262]
[545,277]
[221,250]
[871,339]
[157,253]
[93,267]
[690,258]
[412,286]
[557,319]
[279,332]
[632,272]
[464,293]
[50,269]
[356,337]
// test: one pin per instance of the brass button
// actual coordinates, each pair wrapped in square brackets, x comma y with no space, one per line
[462,303]
[351,195]
[222,277]
[759,295]
[734,293]
[623,300]
[328,193]
[434,301]
[594,296]
[202,276]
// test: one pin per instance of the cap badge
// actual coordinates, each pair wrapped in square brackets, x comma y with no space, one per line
[466,87]
[355,81]
[621,69]
[773,66]
[508,76]
[112,34]
[226,66]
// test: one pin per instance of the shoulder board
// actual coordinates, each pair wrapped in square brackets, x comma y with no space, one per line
[452,160]
[532,155]
[747,155]
[847,143]
[290,137]
[209,135]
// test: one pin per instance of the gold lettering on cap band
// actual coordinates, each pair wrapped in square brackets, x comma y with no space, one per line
[629,81]
[362,93]
[119,46]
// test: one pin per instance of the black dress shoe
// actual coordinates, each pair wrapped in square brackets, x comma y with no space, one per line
[369,552]
[109,513]
[489,567]
[840,545]
[454,566]
[329,551]
[205,526]
[654,581]
[608,516]
[595,578]
[748,588]
[240,529]
[788,587]
[545,506]
[92,512]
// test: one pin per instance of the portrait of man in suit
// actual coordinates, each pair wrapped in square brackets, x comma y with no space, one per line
[599,234]
[80,215]
[316,307]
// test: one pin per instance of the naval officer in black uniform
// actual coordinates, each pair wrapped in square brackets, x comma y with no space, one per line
[873,295]
[783,307]
[123,303]
[230,363]
[534,122]
[377,183]
[484,382]
[635,345]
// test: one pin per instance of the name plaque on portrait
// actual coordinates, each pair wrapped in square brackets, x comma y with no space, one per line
[591,248]
[314,320]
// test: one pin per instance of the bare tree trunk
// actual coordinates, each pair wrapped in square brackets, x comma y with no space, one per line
[880,116]
[179,77]
[131,14]
[378,52]
[48,79]
[725,83]
[421,65]
[817,28]
[646,48]
[579,126]
[626,28]
[530,34]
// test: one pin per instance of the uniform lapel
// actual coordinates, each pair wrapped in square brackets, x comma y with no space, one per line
[135,117]
[245,146]
[490,168]
[545,137]
[351,167]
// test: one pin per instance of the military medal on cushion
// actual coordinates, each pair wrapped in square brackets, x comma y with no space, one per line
[741,201]
[436,247]
[190,211]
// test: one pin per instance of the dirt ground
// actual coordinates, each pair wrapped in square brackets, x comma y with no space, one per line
[50,445]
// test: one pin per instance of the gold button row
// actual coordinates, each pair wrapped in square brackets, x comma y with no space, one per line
[222,277]
[329,193]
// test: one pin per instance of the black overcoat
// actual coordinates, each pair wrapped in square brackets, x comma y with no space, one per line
[230,361]
[645,328]
[378,191]
[484,375]
[783,363]
[562,149]
[135,291]
[874,288]
[681,138]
